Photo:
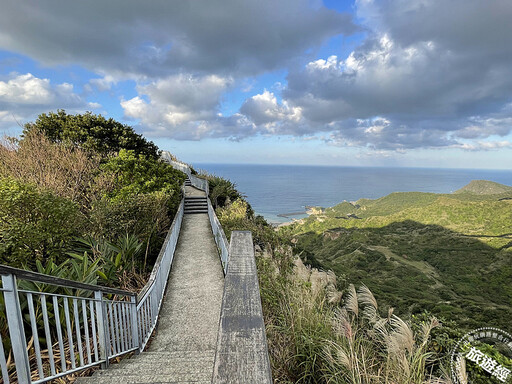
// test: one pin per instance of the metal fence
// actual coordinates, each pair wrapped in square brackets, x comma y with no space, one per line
[220,237]
[151,297]
[56,327]
[218,232]
[51,327]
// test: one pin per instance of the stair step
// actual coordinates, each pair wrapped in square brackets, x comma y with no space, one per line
[158,367]
[174,367]
[144,379]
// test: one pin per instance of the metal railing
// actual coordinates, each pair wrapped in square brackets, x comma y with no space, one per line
[62,326]
[57,326]
[197,182]
[202,184]
[219,236]
[149,300]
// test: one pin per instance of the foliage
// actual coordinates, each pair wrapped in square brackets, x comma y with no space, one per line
[143,216]
[118,262]
[136,175]
[222,191]
[34,224]
[91,132]
[238,216]
[447,254]
[66,171]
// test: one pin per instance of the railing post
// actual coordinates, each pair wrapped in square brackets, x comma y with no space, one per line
[16,330]
[102,330]
[135,324]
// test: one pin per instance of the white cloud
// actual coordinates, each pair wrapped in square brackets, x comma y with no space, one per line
[103,83]
[180,106]
[484,145]
[436,72]
[263,109]
[24,96]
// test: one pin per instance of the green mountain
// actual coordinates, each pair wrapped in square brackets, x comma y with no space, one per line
[484,187]
[450,254]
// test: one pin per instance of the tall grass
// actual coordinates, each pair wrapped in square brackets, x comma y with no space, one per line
[315,340]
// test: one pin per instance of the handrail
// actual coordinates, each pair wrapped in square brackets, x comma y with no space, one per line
[42,278]
[87,330]
[219,236]
[150,298]
[75,331]
[202,184]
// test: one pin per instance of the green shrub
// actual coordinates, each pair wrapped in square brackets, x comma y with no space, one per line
[135,175]
[222,191]
[35,224]
[91,132]
[144,216]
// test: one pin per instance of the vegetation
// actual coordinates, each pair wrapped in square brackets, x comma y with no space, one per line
[35,225]
[449,254]
[72,177]
[82,198]
[441,261]
[91,132]
[484,187]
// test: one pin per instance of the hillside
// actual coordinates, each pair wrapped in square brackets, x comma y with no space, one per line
[484,187]
[450,254]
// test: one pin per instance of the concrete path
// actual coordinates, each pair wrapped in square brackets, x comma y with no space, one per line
[183,347]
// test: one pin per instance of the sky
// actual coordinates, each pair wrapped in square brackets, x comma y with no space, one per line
[416,83]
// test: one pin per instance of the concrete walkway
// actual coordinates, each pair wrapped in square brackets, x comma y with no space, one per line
[184,343]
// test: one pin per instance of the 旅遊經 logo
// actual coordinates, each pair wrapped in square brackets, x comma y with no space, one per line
[482,356]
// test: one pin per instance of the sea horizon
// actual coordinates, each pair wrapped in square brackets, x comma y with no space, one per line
[281,193]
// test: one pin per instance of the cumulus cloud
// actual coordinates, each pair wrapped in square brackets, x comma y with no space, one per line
[24,96]
[427,74]
[265,111]
[160,37]
[435,71]
[180,106]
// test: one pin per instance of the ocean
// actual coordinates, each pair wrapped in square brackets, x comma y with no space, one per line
[282,192]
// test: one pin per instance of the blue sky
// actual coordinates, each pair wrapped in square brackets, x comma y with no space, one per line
[365,82]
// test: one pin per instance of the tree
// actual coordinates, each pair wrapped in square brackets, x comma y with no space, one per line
[91,132]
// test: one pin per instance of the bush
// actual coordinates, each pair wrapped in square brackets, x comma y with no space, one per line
[35,224]
[66,171]
[91,132]
[143,216]
[222,191]
[136,175]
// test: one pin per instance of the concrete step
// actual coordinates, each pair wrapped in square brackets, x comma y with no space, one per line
[158,367]
[176,367]
[196,209]
[142,379]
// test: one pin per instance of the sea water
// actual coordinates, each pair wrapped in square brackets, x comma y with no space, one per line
[282,192]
